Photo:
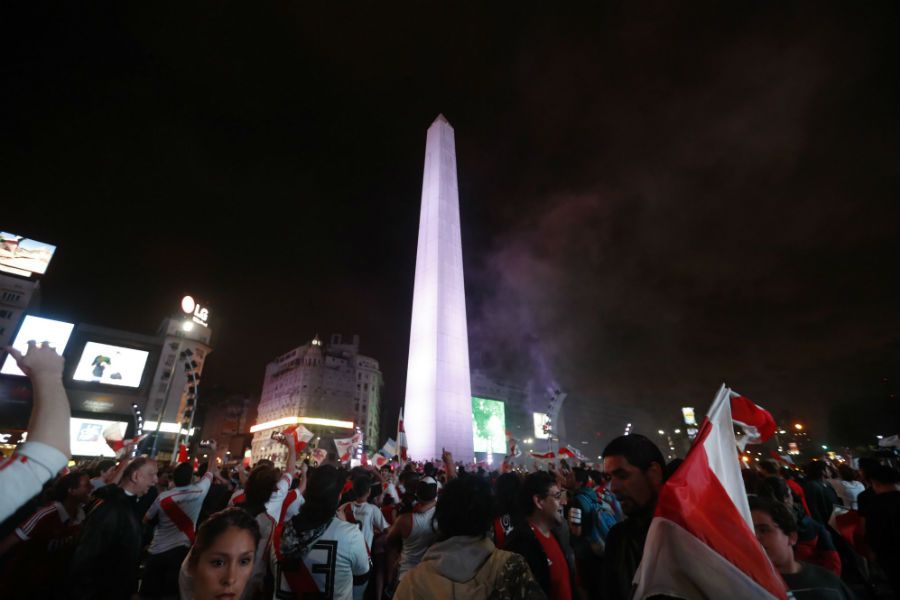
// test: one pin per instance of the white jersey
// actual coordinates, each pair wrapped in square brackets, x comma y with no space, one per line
[332,561]
[189,500]
[23,474]
[368,518]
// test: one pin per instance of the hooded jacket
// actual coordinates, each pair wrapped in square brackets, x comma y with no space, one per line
[471,568]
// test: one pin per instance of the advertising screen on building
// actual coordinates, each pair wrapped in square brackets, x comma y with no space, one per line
[88,439]
[21,256]
[488,425]
[688,413]
[111,365]
[540,422]
[56,333]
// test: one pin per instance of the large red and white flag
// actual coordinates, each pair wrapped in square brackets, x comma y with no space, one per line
[401,436]
[544,456]
[701,542]
[300,435]
[756,422]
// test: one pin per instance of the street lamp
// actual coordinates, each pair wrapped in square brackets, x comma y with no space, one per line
[661,432]
[798,426]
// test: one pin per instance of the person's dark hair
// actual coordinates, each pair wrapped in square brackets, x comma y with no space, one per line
[581,475]
[535,484]
[67,482]
[596,476]
[769,467]
[103,465]
[816,469]
[847,473]
[182,474]
[866,464]
[217,524]
[506,494]
[426,491]
[751,480]
[323,492]
[883,475]
[773,488]
[264,462]
[637,450]
[777,510]
[361,484]
[201,470]
[464,508]
[670,467]
[133,467]
[429,470]
[260,484]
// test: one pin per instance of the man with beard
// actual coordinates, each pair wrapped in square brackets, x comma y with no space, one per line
[634,468]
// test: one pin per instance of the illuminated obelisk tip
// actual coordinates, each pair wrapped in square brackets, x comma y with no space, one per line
[438,408]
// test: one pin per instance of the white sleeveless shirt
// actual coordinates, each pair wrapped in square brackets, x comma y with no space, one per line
[420,538]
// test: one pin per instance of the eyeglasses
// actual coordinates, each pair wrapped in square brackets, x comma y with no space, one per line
[557,495]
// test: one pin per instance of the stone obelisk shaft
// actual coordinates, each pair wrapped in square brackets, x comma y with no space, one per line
[438,407]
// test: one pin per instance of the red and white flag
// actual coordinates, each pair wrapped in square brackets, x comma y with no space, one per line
[544,456]
[572,453]
[701,542]
[757,422]
[401,436]
[114,434]
[319,455]
[343,446]
[379,460]
[299,434]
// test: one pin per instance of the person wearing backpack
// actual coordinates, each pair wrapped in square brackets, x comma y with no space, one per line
[463,562]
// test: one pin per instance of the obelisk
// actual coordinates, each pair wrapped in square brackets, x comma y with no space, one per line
[438,407]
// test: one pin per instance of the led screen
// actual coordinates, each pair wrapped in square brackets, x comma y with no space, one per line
[88,439]
[111,365]
[22,256]
[40,330]
[540,420]
[488,426]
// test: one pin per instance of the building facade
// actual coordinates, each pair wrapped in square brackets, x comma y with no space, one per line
[17,296]
[331,389]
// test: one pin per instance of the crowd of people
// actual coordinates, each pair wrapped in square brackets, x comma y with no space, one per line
[137,528]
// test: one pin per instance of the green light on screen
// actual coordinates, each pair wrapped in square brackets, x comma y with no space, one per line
[488,425]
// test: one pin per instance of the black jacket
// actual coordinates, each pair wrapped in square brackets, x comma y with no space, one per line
[522,540]
[106,561]
[624,550]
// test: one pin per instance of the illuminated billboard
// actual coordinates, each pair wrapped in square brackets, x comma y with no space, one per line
[111,365]
[488,425]
[38,329]
[688,413]
[21,256]
[541,422]
[87,437]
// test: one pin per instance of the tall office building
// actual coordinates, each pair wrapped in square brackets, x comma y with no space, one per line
[438,406]
[331,389]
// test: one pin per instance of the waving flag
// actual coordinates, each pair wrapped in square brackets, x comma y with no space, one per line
[544,456]
[343,446]
[114,434]
[389,449]
[299,434]
[701,539]
[401,436]
[379,460]
[319,455]
[757,423]
[573,453]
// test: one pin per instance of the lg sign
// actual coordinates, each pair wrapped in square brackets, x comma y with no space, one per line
[199,314]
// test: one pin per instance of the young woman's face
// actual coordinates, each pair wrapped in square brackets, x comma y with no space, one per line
[222,571]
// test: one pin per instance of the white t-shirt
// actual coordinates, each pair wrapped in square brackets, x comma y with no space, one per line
[368,519]
[333,560]
[189,499]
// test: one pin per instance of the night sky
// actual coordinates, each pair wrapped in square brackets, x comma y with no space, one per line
[654,199]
